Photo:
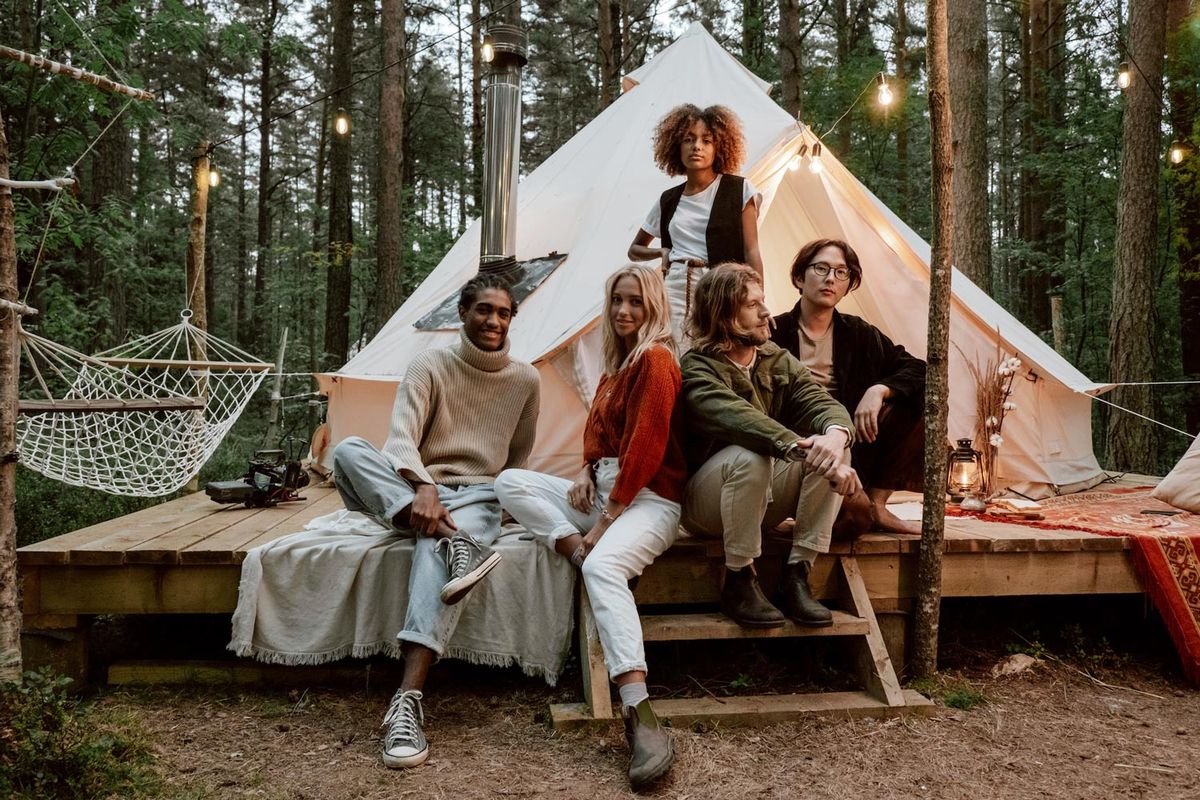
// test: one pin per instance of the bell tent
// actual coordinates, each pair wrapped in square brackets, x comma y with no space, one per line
[589,198]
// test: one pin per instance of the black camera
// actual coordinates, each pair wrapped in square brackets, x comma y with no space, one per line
[271,479]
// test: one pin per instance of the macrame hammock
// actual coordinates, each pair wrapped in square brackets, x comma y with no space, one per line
[138,420]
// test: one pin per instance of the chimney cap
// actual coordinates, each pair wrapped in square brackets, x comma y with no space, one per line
[511,44]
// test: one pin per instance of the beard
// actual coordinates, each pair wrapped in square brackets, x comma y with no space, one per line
[751,338]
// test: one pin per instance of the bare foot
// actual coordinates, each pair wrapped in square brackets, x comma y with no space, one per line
[785,528]
[884,520]
[854,519]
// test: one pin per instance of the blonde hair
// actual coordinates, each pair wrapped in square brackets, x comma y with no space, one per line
[719,294]
[655,330]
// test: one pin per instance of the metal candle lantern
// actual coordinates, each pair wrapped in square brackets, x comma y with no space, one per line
[965,477]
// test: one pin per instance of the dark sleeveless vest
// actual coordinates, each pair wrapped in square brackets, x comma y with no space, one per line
[723,236]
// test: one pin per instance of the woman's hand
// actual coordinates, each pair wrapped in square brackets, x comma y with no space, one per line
[592,537]
[582,493]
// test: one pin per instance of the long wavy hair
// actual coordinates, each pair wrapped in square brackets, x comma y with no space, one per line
[719,294]
[726,128]
[655,330]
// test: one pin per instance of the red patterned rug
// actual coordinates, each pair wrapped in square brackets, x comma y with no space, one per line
[1166,544]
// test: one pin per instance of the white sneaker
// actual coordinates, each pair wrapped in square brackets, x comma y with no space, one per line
[404,744]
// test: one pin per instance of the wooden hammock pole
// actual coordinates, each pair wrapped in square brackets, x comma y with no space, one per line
[50,184]
[10,608]
[196,297]
[277,393]
[107,84]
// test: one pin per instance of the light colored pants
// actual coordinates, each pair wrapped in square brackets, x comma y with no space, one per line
[645,530]
[677,296]
[367,483]
[738,492]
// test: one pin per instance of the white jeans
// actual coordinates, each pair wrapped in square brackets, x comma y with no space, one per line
[646,529]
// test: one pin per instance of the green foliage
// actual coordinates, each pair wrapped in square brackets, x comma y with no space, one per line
[54,746]
[955,693]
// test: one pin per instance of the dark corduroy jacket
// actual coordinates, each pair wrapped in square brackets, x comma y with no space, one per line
[862,357]
[765,414]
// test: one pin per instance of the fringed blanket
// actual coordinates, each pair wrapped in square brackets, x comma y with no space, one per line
[1166,552]
[337,589]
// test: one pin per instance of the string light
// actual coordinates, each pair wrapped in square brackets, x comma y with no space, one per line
[341,122]
[794,163]
[487,50]
[1176,152]
[884,92]
[814,163]
[1124,76]
[214,177]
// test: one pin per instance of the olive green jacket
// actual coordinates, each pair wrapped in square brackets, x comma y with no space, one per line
[765,414]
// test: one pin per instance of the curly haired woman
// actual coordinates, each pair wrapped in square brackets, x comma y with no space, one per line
[709,218]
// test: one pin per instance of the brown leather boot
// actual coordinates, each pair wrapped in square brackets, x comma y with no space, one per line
[798,602]
[743,601]
[650,751]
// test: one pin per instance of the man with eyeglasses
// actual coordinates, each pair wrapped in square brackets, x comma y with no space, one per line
[878,381]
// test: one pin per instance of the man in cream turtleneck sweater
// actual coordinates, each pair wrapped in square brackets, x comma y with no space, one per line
[462,415]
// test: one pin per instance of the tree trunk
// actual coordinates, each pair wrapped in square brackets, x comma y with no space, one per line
[390,281]
[261,327]
[341,235]
[842,33]
[929,571]
[604,39]
[1185,181]
[791,57]
[10,596]
[754,35]
[195,261]
[476,110]
[968,98]
[1130,331]
[241,325]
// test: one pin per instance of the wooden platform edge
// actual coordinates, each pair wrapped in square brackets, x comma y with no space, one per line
[752,710]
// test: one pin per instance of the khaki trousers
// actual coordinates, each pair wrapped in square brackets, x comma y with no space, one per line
[738,492]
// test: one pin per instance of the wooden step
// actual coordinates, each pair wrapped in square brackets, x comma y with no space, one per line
[696,627]
[754,709]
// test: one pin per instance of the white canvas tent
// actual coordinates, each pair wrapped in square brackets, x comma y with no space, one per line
[589,198]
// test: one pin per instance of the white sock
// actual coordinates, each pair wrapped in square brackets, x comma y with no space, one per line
[801,553]
[633,693]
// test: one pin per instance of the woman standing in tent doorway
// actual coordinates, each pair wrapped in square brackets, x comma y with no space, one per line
[709,218]
[622,511]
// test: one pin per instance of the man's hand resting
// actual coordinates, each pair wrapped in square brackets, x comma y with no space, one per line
[866,416]
[427,513]
[844,480]
[825,451]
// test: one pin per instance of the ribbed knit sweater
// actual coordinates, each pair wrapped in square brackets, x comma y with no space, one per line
[633,419]
[462,415]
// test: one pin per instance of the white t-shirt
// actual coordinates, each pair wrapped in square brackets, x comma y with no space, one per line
[690,221]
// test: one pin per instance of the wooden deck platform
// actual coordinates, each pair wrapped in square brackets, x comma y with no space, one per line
[184,557]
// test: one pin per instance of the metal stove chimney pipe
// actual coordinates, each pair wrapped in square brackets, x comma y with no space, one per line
[509,46]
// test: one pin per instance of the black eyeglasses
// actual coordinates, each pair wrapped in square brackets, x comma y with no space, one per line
[822,269]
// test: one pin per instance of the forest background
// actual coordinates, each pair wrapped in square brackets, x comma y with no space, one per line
[326,234]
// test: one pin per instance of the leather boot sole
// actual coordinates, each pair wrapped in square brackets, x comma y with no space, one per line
[457,589]
[811,623]
[758,624]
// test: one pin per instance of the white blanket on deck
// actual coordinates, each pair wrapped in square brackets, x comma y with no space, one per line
[338,589]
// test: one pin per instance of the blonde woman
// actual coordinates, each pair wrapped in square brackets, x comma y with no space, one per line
[622,510]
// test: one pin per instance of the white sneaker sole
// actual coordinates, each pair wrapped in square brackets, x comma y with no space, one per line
[405,762]
[457,589]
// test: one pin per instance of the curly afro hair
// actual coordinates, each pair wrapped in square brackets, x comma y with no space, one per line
[726,130]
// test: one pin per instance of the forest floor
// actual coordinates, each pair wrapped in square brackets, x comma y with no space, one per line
[1130,730]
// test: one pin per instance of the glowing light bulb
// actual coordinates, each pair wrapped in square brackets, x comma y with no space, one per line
[1176,152]
[341,122]
[794,164]
[814,163]
[487,50]
[214,177]
[884,92]
[1124,76]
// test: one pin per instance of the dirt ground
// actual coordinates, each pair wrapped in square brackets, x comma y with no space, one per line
[1049,731]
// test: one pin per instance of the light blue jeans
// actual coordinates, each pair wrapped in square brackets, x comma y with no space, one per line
[368,484]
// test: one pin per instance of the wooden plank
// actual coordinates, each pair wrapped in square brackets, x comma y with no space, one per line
[246,671]
[695,627]
[292,524]
[756,709]
[872,660]
[174,363]
[111,405]
[138,589]
[229,545]
[596,693]
[165,549]
[149,520]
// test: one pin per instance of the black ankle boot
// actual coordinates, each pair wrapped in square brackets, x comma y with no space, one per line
[743,601]
[650,751]
[798,602]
